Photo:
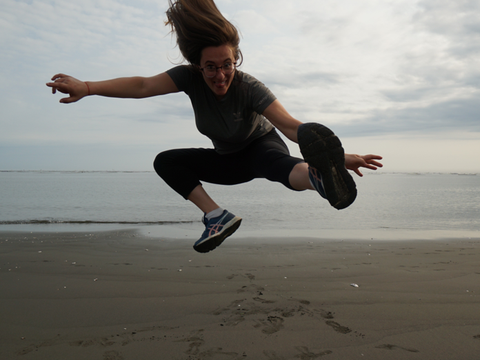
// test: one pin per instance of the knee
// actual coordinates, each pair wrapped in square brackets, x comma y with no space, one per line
[298,177]
[161,162]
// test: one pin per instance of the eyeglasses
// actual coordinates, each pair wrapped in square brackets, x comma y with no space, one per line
[211,70]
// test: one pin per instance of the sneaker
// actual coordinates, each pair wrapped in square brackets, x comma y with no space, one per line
[217,230]
[323,152]
[316,180]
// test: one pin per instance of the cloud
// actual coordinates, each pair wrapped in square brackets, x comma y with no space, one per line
[458,115]
[399,69]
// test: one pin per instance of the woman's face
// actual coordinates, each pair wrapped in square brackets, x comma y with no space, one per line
[218,56]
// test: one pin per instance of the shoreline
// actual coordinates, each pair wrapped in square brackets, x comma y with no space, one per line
[101,295]
[192,230]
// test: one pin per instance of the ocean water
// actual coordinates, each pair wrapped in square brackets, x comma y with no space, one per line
[51,201]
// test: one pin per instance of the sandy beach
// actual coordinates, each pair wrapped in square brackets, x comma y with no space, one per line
[120,295]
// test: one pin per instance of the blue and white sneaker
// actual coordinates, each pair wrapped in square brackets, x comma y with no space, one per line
[316,181]
[216,230]
[323,152]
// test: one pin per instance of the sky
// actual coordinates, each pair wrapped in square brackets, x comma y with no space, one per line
[398,78]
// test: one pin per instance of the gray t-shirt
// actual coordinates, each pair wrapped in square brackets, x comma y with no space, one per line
[233,122]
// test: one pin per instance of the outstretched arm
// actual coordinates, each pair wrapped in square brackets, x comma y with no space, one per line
[288,125]
[282,120]
[129,87]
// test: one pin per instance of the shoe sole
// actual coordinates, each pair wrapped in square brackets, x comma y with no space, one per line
[322,150]
[216,240]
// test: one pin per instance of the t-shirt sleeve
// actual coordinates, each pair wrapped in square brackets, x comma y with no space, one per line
[261,96]
[182,77]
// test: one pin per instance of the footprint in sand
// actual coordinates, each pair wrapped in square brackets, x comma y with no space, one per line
[33,347]
[272,325]
[394,347]
[306,354]
[337,327]
[27,350]
[252,288]
[234,320]
[247,275]
[250,276]
[325,314]
[234,305]
[301,301]
[263,301]
[90,342]
[195,342]
[211,353]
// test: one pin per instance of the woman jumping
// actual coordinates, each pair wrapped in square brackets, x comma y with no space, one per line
[241,117]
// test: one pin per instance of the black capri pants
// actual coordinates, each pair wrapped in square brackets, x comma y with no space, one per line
[266,157]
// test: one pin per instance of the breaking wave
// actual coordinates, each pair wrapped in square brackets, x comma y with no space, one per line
[48,222]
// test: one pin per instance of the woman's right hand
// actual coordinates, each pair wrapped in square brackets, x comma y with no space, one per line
[69,85]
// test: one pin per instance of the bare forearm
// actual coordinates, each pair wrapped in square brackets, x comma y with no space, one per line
[282,120]
[127,87]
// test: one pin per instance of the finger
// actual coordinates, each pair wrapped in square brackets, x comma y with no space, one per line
[66,100]
[376,163]
[69,100]
[358,172]
[373,162]
[59,86]
[55,85]
[369,157]
[58,76]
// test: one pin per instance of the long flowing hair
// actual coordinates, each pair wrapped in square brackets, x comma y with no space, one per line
[198,24]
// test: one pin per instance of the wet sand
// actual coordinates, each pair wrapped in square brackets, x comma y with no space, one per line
[121,295]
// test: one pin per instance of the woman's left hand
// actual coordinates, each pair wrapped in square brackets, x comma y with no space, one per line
[354,162]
